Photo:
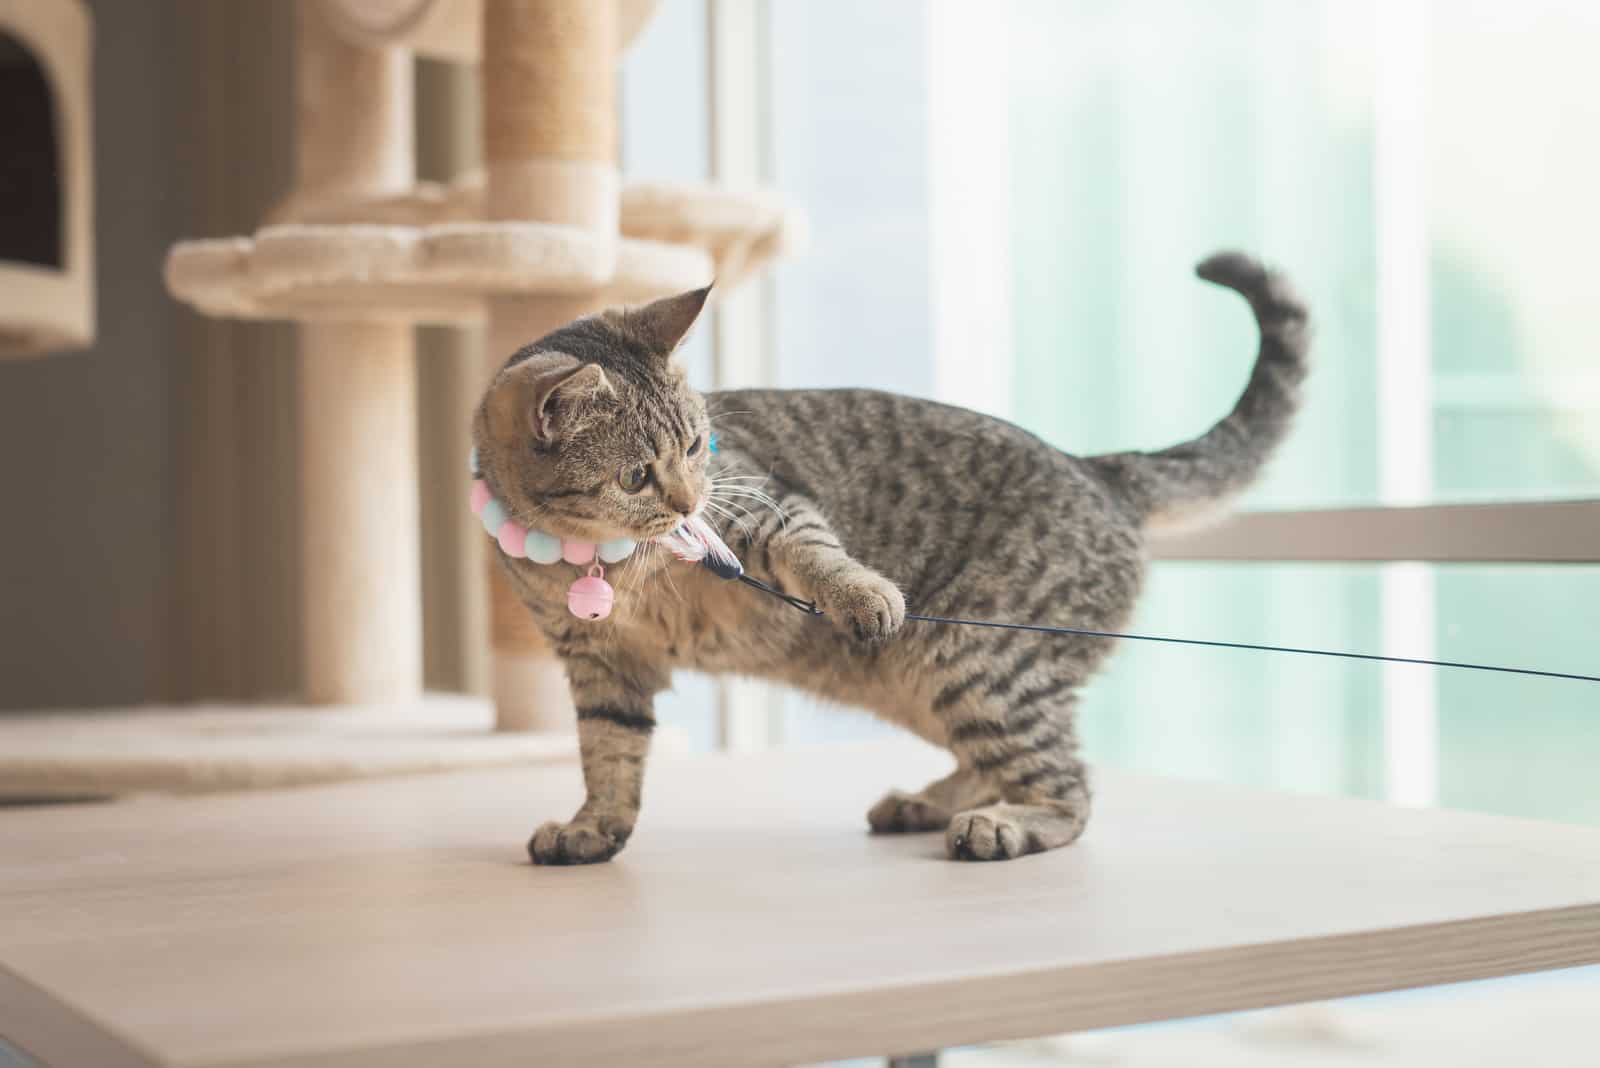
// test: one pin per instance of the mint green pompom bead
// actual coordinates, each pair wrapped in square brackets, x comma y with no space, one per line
[617,549]
[542,548]
[493,514]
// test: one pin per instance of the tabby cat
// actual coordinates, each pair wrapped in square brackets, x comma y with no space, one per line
[862,502]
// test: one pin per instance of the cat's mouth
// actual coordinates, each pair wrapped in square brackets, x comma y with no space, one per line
[600,532]
[582,529]
[667,524]
[674,520]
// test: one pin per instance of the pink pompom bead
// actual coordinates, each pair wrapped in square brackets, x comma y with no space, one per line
[512,539]
[480,496]
[577,552]
[590,598]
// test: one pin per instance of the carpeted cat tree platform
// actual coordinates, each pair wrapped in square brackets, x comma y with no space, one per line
[359,255]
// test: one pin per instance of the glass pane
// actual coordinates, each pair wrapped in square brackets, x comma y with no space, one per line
[1511,223]
[665,120]
[849,145]
[1521,746]
[1269,720]
[1256,124]
[665,137]
[1509,744]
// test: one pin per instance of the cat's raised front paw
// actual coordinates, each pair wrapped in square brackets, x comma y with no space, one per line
[579,842]
[865,604]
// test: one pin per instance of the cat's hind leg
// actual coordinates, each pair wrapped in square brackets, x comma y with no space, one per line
[1020,741]
[931,808]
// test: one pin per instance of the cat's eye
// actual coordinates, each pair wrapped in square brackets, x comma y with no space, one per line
[696,445]
[634,479]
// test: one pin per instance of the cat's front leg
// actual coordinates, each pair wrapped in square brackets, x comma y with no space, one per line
[806,556]
[616,717]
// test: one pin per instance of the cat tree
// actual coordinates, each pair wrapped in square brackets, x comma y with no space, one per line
[46,169]
[360,253]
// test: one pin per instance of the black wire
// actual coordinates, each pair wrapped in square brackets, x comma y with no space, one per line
[811,609]
[1261,648]
[792,601]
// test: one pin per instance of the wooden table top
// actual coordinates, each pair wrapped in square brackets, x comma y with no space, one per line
[751,921]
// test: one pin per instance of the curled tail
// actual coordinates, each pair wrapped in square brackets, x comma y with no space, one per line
[1189,482]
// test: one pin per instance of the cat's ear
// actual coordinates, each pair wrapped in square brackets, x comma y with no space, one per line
[542,395]
[663,324]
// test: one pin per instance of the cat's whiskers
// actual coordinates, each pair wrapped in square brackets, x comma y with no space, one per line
[739,506]
[741,482]
[632,577]
[753,510]
[627,578]
[740,494]
[742,476]
[666,573]
[746,491]
[738,519]
[753,481]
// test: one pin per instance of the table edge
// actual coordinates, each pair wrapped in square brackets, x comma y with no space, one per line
[879,1019]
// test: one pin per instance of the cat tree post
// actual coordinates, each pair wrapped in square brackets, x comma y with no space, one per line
[549,121]
[361,584]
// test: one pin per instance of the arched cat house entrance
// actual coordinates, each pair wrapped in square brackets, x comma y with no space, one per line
[46,192]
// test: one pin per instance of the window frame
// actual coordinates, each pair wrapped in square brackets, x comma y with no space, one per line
[1489,532]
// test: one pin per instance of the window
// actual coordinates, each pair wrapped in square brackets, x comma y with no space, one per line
[1005,203]
[1356,145]
[665,134]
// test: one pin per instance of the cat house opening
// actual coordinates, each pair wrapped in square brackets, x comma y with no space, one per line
[31,223]
[46,178]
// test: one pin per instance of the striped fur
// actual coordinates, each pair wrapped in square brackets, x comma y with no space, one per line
[863,502]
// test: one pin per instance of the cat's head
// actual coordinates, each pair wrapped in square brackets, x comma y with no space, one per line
[592,432]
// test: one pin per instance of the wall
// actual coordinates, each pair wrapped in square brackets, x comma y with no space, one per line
[82,447]
[148,532]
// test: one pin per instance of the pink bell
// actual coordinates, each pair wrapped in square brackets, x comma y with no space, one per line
[591,597]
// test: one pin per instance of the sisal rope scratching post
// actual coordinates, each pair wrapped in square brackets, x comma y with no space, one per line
[549,140]
[362,633]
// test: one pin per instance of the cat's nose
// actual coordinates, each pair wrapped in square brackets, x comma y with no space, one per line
[681,500]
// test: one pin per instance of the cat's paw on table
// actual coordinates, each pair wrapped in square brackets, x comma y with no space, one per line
[582,841]
[985,835]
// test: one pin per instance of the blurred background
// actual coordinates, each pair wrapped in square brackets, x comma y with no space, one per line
[1004,203]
